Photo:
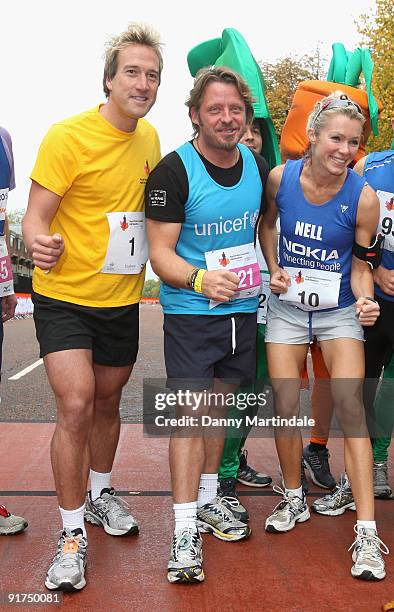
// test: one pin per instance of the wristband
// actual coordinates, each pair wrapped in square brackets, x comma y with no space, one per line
[370,299]
[191,277]
[198,281]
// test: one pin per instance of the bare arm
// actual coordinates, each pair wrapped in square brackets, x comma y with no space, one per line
[361,274]
[382,276]
[268,235]
[44,248]
[219,285]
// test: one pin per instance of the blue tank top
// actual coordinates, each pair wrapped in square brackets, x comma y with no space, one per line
[379,172]
[5,179]
[321,236]
[216,217]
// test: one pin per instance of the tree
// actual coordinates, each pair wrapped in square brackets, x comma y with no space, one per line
[281,80]
[377,32]
[151,288]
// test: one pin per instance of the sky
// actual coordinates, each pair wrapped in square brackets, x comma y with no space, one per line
[51,56]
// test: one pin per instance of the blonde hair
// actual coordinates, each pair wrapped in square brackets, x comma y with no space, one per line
[336,103]
[136,34]
[220,74]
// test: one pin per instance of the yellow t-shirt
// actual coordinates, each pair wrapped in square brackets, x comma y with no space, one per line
[96,169]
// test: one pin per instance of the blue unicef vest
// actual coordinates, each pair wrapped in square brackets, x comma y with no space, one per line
[318,236]
[379,172]
[5,177]
[216,217]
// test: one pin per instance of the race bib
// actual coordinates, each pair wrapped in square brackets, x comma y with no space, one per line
[386,221]
[243,261]
[6,279]
[3,208]
[127,249]
[264,294]
[312,289]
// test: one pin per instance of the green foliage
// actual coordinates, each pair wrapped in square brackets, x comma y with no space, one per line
[151,288]
[282,78]
[377,32]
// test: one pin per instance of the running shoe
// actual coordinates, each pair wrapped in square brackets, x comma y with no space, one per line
[67,570]
[250,477]
[227,492]
[338,501]
[10,524]
[367,555]
[316,462]
[381,487]
[185,564]
[216,518]
[287,513]
[111,512]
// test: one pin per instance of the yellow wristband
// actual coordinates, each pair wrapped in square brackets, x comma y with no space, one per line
[198,282]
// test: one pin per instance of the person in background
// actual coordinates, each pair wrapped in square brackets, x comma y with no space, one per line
[10,524]
[234,462]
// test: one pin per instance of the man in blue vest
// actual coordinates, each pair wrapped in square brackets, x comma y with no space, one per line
[202,204]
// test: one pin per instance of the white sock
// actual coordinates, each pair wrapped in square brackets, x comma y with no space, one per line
[367,524]
[208,489]
[295,492]
[185,515]
[98,482]
[73,519]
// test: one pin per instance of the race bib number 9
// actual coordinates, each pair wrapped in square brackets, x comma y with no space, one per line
[312,289]
[386,221]
[6,279]
[243,261]
[127,249]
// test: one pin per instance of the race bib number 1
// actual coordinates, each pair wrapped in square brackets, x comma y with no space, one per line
[6,279]
[312,289]
[386,221]
[241,260]
[127,249]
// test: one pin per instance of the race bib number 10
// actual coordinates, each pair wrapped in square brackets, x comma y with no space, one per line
[312,289]
[243,261]
[127,249]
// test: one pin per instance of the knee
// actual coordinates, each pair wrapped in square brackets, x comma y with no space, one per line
[75,414]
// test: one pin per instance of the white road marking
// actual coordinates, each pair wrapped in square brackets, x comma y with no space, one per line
[27,370]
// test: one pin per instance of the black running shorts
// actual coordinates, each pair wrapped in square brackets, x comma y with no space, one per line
[110,333]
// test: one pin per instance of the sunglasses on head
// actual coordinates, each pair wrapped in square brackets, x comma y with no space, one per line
[342,102]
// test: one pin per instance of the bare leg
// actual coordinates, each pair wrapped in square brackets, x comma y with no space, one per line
[285,362]
[105,430]
[345,360]
[71,376]
[191,457]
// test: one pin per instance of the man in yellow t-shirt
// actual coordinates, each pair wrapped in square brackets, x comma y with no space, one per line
[85,229]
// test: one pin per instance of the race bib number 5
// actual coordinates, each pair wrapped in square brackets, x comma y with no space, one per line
[6,279]
[127,249]
[312,289]
[243,261]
